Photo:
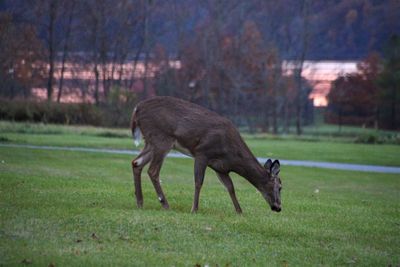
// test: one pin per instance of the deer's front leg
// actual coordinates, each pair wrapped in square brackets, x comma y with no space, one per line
[227,181]
[200,165]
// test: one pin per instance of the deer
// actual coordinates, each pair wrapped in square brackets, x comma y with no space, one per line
[167,123]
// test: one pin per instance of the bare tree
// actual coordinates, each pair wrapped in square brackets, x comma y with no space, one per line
[94,19]
[21,58]
[52,9]
[69,10]
[294,42]
[305,35]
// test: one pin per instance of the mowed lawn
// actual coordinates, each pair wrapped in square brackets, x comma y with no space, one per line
[77,209]
[330,149]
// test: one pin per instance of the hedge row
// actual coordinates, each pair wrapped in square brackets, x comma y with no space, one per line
[62,113]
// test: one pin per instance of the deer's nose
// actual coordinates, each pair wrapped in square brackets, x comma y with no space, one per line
[276,208]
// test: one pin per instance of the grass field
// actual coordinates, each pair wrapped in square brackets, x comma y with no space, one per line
[323,146]
[77,209]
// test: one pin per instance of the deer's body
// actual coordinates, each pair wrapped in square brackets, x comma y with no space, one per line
[168,123]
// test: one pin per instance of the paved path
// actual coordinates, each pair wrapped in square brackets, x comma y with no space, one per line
[304,163]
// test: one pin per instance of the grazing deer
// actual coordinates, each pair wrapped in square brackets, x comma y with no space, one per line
[169,123]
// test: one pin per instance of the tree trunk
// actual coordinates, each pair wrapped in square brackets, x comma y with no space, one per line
[286,117]
[50,28]
[65,51]
[146,45]
[393,108]
[340,119]
[145,80]
[304,47]
[299,99]
[96,85]
[274,101]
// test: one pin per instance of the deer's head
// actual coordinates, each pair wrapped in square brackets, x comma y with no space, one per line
[272,186]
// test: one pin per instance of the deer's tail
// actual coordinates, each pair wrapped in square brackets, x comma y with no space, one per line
[134,128]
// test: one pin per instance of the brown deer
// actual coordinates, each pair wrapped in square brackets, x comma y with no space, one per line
[169,123]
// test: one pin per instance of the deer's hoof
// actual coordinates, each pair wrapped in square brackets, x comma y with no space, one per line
[193,211]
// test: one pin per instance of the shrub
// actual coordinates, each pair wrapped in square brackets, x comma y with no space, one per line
[369,138]
[375,138]
[4,139]
[113,113]
[60,113]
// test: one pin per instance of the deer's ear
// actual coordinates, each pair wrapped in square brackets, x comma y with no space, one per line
[268,165]
[276,167]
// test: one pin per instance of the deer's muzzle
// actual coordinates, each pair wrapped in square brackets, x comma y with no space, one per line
[276,208]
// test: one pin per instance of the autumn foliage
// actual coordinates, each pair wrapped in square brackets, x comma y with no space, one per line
[370,97]
[21,56]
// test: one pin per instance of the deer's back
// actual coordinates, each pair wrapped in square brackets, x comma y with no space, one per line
[168,117]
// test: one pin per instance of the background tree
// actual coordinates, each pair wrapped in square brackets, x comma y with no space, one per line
[389,81]
[48,14]
[233,55]
[21,54]
[68,13]
[354,99]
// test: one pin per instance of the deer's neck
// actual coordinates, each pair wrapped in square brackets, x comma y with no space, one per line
[247,164]
[250,169]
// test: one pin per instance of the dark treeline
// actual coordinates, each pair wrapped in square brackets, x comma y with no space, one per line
[370,97]
[231,56]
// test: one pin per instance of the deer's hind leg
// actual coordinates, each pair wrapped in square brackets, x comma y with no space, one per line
[200,165]
[154,170]
[137,166]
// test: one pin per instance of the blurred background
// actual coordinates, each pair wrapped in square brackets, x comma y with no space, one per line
[270,66]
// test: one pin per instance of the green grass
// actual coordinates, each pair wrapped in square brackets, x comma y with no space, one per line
[330,130]
[77,209]
[308,147]
[371,154]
